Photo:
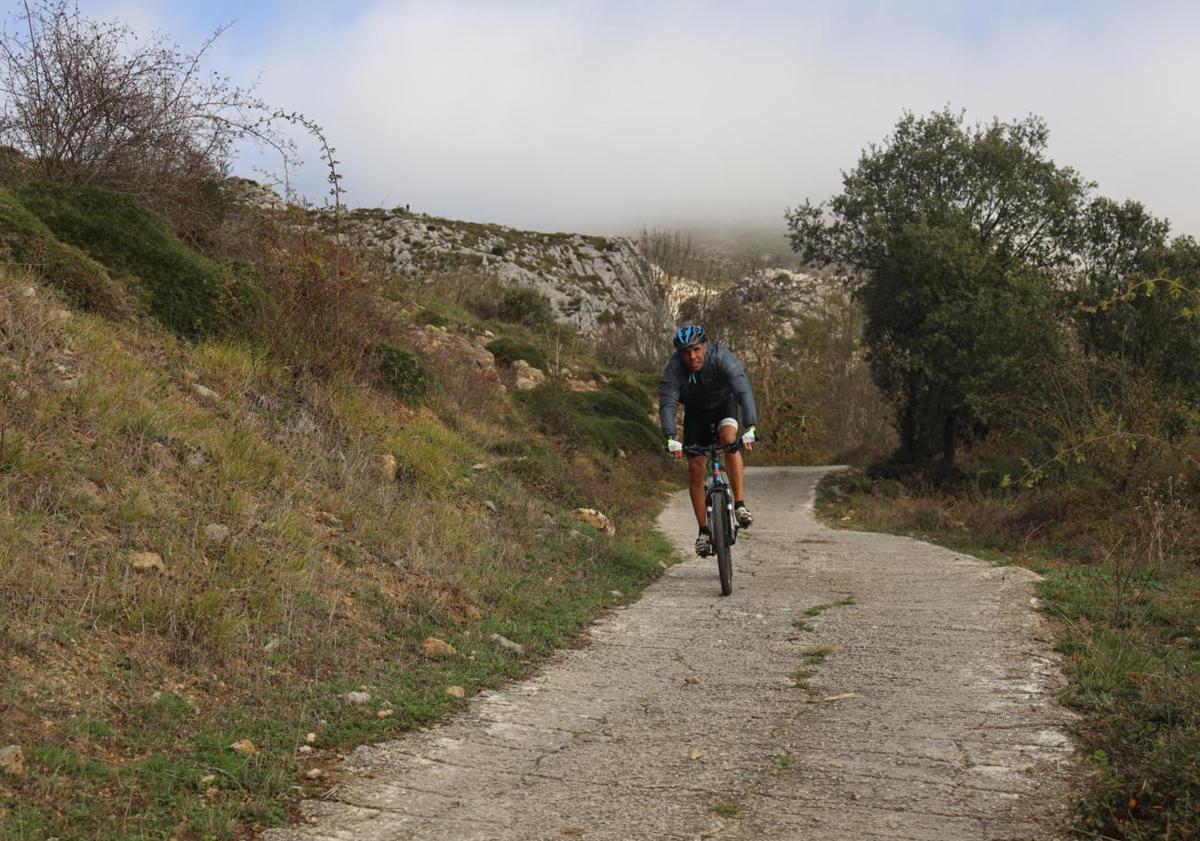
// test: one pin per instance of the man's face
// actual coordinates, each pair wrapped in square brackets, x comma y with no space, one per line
[693,356]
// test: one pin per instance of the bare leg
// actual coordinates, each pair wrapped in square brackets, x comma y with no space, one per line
[696,488]
[733,461]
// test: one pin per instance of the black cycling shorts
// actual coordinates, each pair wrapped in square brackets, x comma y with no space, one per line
[700,425]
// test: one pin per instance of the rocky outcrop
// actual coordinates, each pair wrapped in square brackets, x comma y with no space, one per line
[589,280]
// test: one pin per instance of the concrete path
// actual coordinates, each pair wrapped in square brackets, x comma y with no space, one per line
[931,718]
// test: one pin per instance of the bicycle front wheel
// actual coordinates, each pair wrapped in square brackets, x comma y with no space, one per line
[718,526]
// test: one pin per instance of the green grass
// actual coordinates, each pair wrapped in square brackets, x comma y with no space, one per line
[727,809]
[1129,631]
[818,609]
[815,655]
[802,625]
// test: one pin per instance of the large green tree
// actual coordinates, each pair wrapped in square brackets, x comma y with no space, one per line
[959,230]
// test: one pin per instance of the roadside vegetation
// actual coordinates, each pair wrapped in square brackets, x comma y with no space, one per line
[261,503]
[1036,346]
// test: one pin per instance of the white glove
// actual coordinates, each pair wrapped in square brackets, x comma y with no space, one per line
[748,438]
[674,446]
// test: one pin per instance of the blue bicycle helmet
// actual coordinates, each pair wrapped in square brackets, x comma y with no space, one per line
[688,335]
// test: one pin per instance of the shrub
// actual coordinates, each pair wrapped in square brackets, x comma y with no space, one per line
[605,421]
[507,351]
[183,289]
[315,309]
[523,305]
[404,372]
[86,283]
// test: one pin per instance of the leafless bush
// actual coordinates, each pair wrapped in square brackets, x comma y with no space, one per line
[315,309]
[91,102]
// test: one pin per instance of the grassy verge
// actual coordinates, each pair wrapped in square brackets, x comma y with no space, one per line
[310,535]
[1128,619]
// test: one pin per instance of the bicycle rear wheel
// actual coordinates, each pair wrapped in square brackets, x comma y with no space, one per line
[718,526]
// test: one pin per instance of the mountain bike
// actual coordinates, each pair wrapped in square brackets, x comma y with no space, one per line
[718,501]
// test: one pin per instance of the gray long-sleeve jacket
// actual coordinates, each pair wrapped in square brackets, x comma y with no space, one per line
[705,390]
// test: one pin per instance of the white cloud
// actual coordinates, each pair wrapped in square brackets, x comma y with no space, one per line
[610,115]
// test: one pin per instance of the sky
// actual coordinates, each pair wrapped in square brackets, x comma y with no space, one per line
[607,116]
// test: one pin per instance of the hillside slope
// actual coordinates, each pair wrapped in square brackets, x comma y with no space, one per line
[206,550]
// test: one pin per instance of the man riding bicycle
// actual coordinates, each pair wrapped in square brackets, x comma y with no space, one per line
[710,382]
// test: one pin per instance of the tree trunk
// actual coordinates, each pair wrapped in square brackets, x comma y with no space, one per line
[949,441]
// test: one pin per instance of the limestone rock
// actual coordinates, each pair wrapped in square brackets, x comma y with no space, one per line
[388,467]
[12,760]
[436,648]
[245,747]
[597,520]
[527,377]
[506,643]
[204,393]
[356,697]
[147,562]
[456,692]
[215,534]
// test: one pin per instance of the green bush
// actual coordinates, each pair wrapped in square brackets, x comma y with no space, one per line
[404,372]
[86,283]
[184,290]
[507,351]
[606,421]
[522,305]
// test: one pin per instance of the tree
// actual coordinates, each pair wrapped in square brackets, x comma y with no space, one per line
[88,102]
[958,230]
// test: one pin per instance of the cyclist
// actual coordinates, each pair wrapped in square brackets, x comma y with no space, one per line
[710,382]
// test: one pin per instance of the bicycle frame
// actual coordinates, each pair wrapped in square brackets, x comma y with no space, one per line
[717,480]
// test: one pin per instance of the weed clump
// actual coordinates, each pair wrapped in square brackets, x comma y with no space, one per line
[404,373]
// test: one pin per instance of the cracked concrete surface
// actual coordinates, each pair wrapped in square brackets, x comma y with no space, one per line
[932,718]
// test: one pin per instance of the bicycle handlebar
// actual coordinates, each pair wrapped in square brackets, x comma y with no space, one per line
[697,450]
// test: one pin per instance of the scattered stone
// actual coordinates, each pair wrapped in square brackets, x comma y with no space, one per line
[594,518]
[147,562]
[356,697]
[61,315]
[526,376]
[244,747]
[28,291]
[434,647]
[388,467]
[305,749]
[695,754]
[456,692]
[205,393]
[12,760]
[310,737]
[691,680]
[215,534]
[844,696]
[271,644]
[161,455]
[195,459]
[90,491]
[505,642]
[207,778]
[386,713]
[480,466]
[489,505]
[575,534]
[616,593]
[314,773]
